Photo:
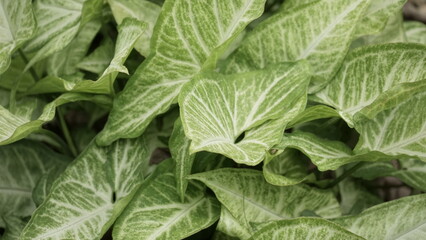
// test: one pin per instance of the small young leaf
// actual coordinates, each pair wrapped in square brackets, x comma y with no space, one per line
[188,38]
[383,221]
[216,109]
[250,199]
[304,228]
[158,208]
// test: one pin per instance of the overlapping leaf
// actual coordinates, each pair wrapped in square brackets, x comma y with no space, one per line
[158,208]
[250,199]
[304,228]
[17,25]
[229,226]
[31,115]
[320,32]
[58,22]
[404,218]
[369,71]
[415,32]
[129,31]
[145,11]
[217,109]
[87,198]
[188,38]
[23,164]
[355,197]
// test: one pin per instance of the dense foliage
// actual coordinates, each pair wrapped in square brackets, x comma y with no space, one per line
[242,119]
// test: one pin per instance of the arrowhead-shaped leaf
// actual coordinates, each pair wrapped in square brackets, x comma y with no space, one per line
[384,221]
[188,38]
[400,128]
[304,228]
[217,109]
[23,164]
[320,32]
[158,208]
[87,198]
[56,29]
[250,199]
[17,25]
[142,10]
[369,71]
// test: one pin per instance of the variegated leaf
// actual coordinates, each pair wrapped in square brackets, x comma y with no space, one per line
[216,110]
[415,32]
[320,32]
[369,71]
[250,199]
[183,44]
[87,198]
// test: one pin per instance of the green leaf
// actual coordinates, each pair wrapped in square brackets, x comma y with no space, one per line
[65,62]
[396,131]
[230,226]
[369,71]
[142,10]
[23,164]
[304,228]
[18,125]
[355,197]
[415,32]
[129,31]
[411,171]
[404,218]
[158,208]
[313,113]
[14,73]
[17,25]
[87,198]
[378,14]
[56,29]
[99,59]
[14,227]
[287,168]
[217,109]
[179,148]
[181,46]
[325,154]
[320,32]
[250,199]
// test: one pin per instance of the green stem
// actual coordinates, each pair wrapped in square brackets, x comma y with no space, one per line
[66,133]
[345,175]
[64,147]
[32,71]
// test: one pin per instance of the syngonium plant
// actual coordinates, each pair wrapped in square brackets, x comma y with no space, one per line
[276,116]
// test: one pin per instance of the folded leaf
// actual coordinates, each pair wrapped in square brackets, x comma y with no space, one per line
[320,32]
[325,154]
[145,11]
[87,198]
[179,148]
[369,71]
[288,168]
[411,171]
[17,25]
[23,164]
[129,31]
[188,38]
[217,109]
[158,208]
[397,131]
[250,199]
[15,126]
[404,218]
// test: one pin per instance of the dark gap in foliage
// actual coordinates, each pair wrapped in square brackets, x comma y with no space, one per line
[95,43]
[114,197]
[100,123]
[159,155]
[240,137]
[205,233]
[108,234]
[1,231]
